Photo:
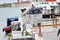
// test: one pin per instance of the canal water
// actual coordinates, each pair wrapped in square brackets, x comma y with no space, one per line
[4,14]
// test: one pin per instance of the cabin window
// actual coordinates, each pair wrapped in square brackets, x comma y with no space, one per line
[24,0]
[16,27]
[23,10]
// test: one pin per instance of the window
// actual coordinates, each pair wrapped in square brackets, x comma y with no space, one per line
[47,3]
[23,10]
[16,26]
[24,0]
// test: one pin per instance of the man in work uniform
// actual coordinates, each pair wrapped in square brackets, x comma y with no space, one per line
[58,32]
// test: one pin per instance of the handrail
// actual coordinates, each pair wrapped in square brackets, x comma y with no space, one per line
[55,25]
[51,20]
[50,25]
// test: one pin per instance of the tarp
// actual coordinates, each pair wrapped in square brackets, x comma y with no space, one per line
[34,15]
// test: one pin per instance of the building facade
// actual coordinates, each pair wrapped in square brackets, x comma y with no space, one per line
[37,3]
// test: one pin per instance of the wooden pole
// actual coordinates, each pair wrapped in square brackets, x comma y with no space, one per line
[53,20]
[39,25]
[56,22]
[53,16]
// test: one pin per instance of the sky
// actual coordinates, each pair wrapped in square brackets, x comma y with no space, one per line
[7,1]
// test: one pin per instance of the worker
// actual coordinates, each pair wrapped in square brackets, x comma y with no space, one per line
[7,30]
[58,32]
